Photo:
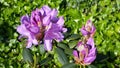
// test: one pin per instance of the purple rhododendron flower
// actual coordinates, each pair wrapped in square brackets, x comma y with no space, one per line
[43,24]
[88,29]
[85,53]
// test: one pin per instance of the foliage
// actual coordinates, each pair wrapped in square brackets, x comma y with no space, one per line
[104,14]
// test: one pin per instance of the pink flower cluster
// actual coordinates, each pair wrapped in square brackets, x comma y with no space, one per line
[86,50]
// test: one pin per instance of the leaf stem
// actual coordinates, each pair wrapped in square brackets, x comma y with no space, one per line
[34,66]
[80,66]
[84,66]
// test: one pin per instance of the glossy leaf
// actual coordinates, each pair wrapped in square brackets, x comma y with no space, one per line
[61,56]
[45,61]
[27,55]
[69,65]
[41,49]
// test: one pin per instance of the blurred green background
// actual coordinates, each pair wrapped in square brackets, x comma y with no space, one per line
[105,15]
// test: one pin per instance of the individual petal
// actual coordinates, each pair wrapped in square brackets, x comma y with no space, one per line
[25,19]
[53,13]
[93,30]
[75,53]
[79,43]
[90,42]
[48,44]
[55,28]
[58,36]
[34,41]
[29,43]
[89,23]
[83,31]
[34,29]
[60,22]
[92,52]
[33,19]
[46,9]
[21,36]
[54,19]
[46,20]
[89,60]
[37,18]
[64,30]
[22,30]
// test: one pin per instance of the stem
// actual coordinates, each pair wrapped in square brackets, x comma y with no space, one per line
[80,66]
[35,59]
[84,66]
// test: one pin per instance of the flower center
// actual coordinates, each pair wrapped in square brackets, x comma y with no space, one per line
[40,35]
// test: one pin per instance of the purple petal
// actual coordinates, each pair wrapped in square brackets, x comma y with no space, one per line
[92,52]
[64,30]
[83,31]
[79,43]
[46,20]
[34,29]
[34,41]
[29,44]
[91,42]
[48,45]
[89,22]
[93,29]
[36,17]
[46,9]
[89,60]
[22,30]
[75,53]
[54,35]
[60,22]
[25,19]
[53,13]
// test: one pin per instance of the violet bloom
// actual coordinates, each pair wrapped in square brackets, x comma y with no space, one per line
[85,53]
[89,29]
[43,24]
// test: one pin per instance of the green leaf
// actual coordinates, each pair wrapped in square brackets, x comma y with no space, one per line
[45,61]
[41,49]
[74,36]
[61,56]
[27,55]
[72,44]
[69,65]
[62,45]
[69,51]
[91,66]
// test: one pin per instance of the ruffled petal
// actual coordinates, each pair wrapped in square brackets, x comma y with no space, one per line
[34,29]
[83,31]
[92,52]
[22,30]
[89,60]
[25,19]
[53,13]
[46,20]
[48,45]
[60,22]
[75,53]
[90,42]
[46,9]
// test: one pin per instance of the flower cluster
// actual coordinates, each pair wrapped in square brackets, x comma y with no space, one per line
[42,25]
[86,50]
